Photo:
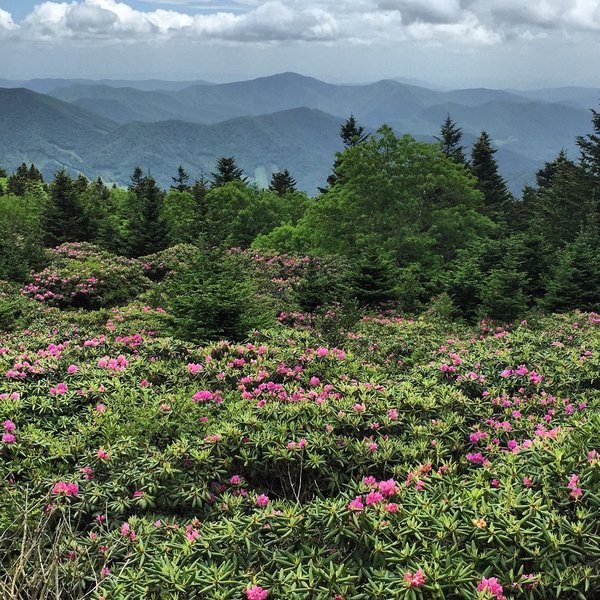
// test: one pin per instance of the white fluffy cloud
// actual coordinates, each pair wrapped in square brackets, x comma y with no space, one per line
[475,22]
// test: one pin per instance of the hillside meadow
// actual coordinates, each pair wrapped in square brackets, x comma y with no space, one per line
[378,456]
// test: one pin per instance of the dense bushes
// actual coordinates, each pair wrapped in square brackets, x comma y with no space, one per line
[188,471]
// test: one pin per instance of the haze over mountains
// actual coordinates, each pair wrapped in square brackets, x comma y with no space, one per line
[288,121]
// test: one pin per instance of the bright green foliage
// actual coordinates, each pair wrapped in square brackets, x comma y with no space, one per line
[183,217]
[388,194]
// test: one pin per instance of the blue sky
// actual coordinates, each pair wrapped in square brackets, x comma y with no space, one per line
[457,43]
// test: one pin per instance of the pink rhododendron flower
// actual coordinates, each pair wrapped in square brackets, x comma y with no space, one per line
[415,580]
[374,498]
[103,454]
[8,438]
[356,504]
[9,425]
[490,585]
[262,500]
[72,369]
[322,352]
[256,593]
[101,408]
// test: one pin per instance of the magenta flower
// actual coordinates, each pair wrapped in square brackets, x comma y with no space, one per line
[262,500]
[490,585]
[103,454]
[8,438]
[9,425]
[72,369]
[415,580]
[356,504]
[255,592]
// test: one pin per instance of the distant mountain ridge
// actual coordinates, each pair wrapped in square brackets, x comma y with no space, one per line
[110,121]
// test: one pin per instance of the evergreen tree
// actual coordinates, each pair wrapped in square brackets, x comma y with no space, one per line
[489,181]
[450,138]
[545,176]
[81,183]
[64,219]
[146,230]
[3,173]
[282,183]
[180,182]
[575,279]
[373,282]
[589,147]
[352,134]
[227,171]
[18,182]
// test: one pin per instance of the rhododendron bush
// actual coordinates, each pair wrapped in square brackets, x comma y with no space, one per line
[415,460]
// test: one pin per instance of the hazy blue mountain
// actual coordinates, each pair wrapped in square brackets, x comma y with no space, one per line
[580,97]
[528,127]
[44,86]
[41,129]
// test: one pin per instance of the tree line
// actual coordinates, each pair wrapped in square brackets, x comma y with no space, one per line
[422,224]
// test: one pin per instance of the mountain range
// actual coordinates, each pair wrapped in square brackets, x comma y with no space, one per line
[105,128]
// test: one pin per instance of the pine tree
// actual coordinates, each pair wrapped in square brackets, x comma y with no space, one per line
[64,219]
[3,173]
[282,183]
[450,138]
[147,231]
[227,171]
[496,196]
[180,182]
[18,182]
[589,147]
[351,133]
[546,175]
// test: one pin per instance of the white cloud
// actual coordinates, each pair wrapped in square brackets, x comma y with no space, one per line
[475,22]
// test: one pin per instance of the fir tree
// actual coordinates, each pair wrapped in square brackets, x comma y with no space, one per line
[227,171]
[282,183]
[137,181]
[64,219]
[352,134]
[3,173]
[180,181]
[589,147]
[450,138]
[496,196]
[546,175]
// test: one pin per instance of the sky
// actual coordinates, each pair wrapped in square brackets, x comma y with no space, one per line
[452,43]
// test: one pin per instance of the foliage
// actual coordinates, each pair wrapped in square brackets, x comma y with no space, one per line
[82,275]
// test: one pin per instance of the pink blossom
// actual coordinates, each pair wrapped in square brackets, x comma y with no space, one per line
[392,414]
[8,438]
[374,498]
[490,585]
[356,504]
[101,408]
[72,369]
[415,580]
[322,352]
[103,454]
[262,500]
[388,488]
[256,593]
[9,425]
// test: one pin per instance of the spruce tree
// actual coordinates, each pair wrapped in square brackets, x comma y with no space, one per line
[282,183]
[3,173]
[589,147]
[450,138]
[352,134]
[546,175]
[227,171]
[180,182]
[64,219]
[496,196]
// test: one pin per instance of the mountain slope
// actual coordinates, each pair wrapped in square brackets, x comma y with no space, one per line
[41,129]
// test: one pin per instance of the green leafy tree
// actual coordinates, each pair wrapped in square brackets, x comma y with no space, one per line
[449,139]
[226,172]
[489,181]
[282,183]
